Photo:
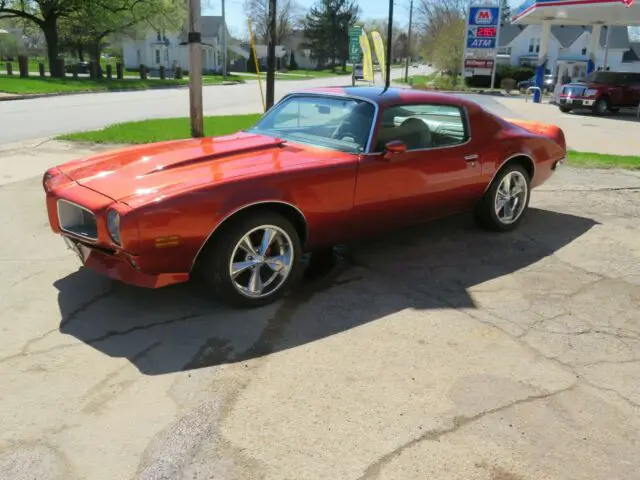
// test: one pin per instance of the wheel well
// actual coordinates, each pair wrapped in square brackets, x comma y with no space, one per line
[288,211]
[522,160]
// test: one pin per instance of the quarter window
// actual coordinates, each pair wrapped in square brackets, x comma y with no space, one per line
[422,126]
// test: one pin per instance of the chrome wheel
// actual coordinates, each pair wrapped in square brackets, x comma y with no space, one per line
[261,261]
[511,197]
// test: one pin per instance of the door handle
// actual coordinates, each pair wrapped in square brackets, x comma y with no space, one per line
[471,158]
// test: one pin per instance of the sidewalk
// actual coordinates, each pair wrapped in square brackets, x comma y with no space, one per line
[28,159]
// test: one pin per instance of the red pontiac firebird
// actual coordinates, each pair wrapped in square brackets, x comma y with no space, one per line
[321,167]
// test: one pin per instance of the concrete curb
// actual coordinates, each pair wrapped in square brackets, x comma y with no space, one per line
[11,97]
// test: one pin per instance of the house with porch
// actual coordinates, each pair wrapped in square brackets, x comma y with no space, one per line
[520,45]
[170,49]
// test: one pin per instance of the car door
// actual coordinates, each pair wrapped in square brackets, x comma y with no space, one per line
[437,175]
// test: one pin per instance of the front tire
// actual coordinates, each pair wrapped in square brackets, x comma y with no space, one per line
[601,106]
[505,202]
[253,261]
[565,109]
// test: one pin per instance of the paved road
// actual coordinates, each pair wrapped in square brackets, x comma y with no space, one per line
[438,352]
[43,117]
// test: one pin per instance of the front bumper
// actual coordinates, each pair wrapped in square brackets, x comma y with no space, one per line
[121,266]
[576,102]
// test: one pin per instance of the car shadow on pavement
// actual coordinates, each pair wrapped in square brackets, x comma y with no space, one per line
[423,268]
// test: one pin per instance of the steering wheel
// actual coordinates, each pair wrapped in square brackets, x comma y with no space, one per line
[345,130]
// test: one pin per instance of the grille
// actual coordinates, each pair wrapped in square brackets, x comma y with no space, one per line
[573,91]
[77,220]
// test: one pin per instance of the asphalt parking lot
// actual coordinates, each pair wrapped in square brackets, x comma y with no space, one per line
[437,352]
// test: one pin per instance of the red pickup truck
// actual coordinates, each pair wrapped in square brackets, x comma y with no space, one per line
[602,92]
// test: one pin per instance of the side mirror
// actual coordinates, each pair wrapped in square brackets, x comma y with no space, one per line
[394,147]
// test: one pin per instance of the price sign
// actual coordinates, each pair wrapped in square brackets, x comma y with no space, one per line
[486,32]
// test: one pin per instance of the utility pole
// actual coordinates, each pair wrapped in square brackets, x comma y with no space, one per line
[224,42]
[195,69]
[271,54]
[387,77]
[406,67]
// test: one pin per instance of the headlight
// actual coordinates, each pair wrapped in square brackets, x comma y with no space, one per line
[113,225]
[52,179]
[591,92]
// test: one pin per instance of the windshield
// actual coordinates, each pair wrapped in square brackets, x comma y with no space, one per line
[342,124]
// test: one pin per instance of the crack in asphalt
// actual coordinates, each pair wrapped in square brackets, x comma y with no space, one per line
[518,338]
[65,320]
[375,469]
[82,308]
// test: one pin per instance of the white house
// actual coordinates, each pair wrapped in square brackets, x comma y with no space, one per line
[291,44]
[170,49]
[520,44]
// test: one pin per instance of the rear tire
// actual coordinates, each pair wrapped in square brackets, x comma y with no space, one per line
[509,193]
[253,261]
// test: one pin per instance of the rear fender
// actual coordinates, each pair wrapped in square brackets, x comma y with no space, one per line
[543,129]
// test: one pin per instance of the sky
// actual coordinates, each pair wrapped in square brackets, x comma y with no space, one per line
[370,9]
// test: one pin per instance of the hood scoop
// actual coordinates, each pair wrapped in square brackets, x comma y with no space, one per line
[275,143]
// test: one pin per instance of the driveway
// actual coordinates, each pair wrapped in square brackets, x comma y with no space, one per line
[437,352]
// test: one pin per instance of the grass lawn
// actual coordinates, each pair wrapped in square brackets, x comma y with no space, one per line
[37,85]
[148,131]
[419,79]
[321,73]
[600,160]
[263,76]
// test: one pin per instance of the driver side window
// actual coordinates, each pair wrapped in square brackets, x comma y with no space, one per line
[422,126]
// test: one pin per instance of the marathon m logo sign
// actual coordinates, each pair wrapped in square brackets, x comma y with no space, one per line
[484,16]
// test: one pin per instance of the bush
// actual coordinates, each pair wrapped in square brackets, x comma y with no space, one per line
[502,72]
[444,82]
[293,65]
[251,63]
[508,84]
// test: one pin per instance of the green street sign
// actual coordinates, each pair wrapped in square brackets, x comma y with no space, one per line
[355,52]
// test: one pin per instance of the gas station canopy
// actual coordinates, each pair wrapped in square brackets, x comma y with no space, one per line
[579,12]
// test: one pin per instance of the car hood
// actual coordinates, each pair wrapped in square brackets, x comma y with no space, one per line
[158,168]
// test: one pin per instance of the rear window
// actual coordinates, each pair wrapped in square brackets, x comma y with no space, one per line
[613,78]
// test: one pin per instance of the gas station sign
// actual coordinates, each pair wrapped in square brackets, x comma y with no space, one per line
[481,39]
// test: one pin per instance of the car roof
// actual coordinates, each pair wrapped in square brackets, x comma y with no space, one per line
[391,96]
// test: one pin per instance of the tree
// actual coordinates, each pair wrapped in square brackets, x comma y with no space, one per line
[326,30]
[9,46]
[399,34]
[505,16]
[287,15]
[251,63]
[293,65]
[95,20]
[434,16]
[400,45]
[46,14]
[448,49]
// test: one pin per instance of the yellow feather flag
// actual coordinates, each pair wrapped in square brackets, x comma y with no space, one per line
[378,46]
[367,60]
